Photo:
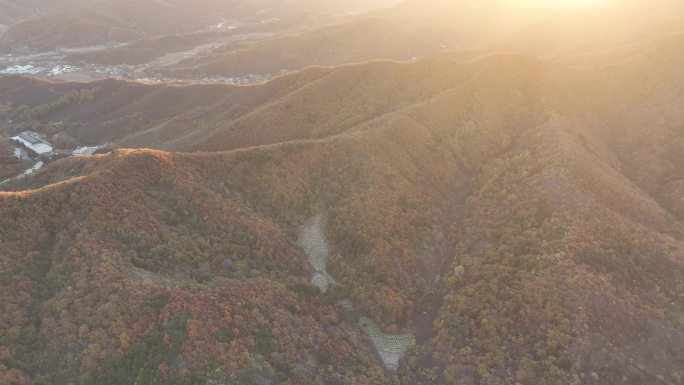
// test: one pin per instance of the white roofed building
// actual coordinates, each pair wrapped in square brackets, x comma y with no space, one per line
[31,141]
[87,150]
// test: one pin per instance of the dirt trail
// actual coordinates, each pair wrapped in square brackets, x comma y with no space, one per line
[37,166]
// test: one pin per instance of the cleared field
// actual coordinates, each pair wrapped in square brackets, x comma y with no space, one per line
[390,347]
[313,242]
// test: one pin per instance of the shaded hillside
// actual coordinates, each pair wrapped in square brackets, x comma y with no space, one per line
[111,110]
[187,322]
[128,20]
[16,10]
[521,218]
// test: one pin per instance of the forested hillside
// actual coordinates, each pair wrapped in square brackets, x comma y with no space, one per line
[521,218]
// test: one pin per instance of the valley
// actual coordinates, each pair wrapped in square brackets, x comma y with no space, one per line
[58,65]
[140,48]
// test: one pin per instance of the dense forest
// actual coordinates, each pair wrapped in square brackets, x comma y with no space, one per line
[511,213]
[10,165]
[503,206]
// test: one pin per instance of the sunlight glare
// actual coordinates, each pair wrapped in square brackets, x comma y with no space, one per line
[561,3]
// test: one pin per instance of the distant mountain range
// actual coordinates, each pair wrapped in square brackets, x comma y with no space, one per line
[17,10]
[98,22]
